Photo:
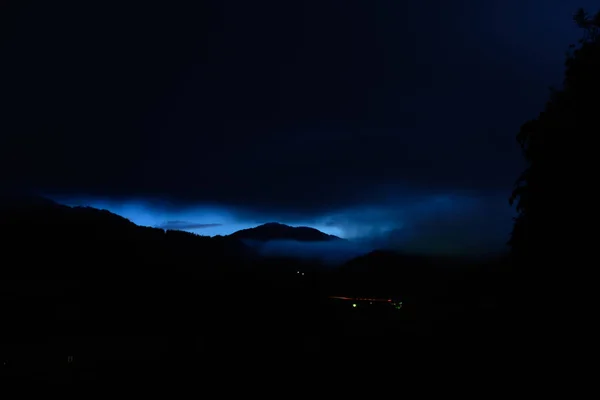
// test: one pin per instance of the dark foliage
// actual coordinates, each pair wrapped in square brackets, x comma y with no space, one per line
[555,193]
[555,199]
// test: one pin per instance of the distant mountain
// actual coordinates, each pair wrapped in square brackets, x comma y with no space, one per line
[414,276]
[277,231]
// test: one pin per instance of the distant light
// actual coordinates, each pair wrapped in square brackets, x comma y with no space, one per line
[297,272]
[354,305]
[303,274]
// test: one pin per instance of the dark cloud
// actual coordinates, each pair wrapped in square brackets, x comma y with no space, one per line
[308,107]
[185,225]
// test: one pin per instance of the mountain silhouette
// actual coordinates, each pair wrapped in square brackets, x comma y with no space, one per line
[277,231]
[75,241]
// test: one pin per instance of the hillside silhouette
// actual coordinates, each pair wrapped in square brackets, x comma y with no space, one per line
[80,272]
[84,237]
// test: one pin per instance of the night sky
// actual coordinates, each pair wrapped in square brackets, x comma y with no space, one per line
[389,120]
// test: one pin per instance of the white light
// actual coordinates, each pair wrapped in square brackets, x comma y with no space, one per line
[303,273]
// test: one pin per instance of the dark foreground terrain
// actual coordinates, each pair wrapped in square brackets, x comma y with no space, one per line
[89,297]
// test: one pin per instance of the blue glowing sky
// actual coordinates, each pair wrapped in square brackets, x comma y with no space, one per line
[442,223]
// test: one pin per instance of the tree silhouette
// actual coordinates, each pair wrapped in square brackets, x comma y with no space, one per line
[554,195]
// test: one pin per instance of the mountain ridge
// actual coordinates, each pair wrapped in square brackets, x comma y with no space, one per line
[279,231]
